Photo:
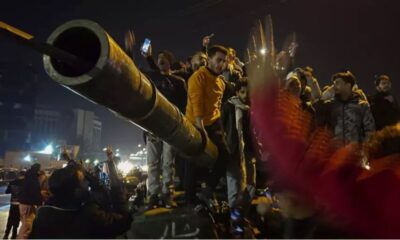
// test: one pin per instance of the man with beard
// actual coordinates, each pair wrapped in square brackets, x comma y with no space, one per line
[205,91]
[241,171]
[347,115]
[161,155]
[386,111]
[384,106]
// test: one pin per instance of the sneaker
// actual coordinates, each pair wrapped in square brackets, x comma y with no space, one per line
[237,222]
[153,202]
[167,201]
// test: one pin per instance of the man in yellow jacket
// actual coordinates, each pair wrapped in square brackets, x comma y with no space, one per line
[205,91]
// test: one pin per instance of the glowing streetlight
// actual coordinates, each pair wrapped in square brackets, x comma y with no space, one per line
[27,158]
[125,167]
[48,149]
[263,51]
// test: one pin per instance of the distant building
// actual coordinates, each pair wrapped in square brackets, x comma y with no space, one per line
[48,126]
[17,103]
[20,160]
[76,127]
[87,130]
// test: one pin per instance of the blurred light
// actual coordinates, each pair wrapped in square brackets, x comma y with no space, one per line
[27,158]
[96,162]
[117,150]
[125,167]
[139,146]
[145,168]
[131,155]
[47,150]
[117,154]
[64,165]
[104,149]
[87,161]
[263,51]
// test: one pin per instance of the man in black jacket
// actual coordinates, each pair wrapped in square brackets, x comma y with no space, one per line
[241,171]
[14,189]
[384,106]
[160,155]
[72,213]
[386,111]
[30,198]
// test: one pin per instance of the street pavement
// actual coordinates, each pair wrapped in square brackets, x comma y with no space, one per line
[4,206]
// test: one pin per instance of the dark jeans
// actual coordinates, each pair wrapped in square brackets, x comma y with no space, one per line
[216,134]
[12,221]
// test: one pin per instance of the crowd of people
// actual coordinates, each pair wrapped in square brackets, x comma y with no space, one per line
[217,102]
[71,203]
[211,90]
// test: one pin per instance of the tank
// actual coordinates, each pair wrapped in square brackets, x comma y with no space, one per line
[112,79]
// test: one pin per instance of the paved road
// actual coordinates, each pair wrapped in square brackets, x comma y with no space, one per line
[4,206]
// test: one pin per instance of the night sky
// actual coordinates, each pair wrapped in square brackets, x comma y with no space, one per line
[360,35]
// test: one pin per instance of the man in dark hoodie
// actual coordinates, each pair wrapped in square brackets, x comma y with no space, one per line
[347,115]
[30,199]
[14,189]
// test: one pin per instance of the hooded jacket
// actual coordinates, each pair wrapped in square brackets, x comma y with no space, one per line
[349,121]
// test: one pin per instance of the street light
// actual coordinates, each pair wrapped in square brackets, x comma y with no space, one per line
[27,158]
[48,149]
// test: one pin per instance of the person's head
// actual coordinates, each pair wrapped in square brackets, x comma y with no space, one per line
[383,84]
[343,83]
[188,64]
[242,90]
[68,183]
[217,58]
[35,168]
[293,86]
[231,55]
[178,66]
[165,60]
[301,76]
[308,72]
[198,60]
